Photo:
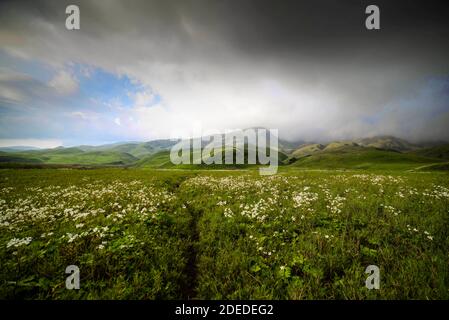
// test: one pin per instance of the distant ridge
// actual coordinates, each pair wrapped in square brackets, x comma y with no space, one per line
[380,151]
[387,143]
[18,148]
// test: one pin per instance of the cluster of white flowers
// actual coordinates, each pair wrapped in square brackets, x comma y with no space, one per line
[100,232]
[426,234]
[18,242]
[102,245]
[304,198]
[336,204]
[378,180]
[392,210]
[256,210]
[6,190]
[46,234]
[75,205]
[439,192]
[260,248]
[71,236]
[228,213]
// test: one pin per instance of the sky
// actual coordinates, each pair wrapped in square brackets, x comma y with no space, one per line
[144,70]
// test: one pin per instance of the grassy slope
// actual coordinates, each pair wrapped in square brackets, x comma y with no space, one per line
[69,156]
[387,143]
[140,150]
[18,159]
[157,160]
[439,152]
[336,155]
[307,150]
[162,160]
[434,167]
[95,157]
[362,158]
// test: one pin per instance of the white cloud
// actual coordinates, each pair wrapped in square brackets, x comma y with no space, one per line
[84,115]
[64,83]
[142,98]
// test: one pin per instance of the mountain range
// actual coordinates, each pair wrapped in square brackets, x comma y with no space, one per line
[368,153]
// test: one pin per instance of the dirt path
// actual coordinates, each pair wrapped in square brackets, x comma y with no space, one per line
[191,271]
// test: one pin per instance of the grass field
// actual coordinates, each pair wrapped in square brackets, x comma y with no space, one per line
[189,234]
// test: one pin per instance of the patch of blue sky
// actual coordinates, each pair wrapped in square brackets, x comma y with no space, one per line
[89,113]
[106,87]
[94,84]
[109,89]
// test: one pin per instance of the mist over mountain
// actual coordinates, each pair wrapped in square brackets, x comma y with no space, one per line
[374,152]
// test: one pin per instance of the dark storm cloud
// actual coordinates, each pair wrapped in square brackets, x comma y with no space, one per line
[260,26]
[317,29]
[309,68]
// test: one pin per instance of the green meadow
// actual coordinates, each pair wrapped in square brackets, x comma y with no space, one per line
[304,233]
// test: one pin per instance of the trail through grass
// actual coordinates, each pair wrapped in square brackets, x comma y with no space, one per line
[153,234]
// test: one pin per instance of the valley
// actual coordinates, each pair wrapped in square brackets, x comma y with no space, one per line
[377,153]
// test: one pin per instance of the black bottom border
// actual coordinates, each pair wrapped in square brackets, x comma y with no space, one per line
[223,309]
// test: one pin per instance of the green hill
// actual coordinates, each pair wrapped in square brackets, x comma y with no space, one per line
[157,160]
[335,145]
[55,151]
[156,154]
[307,149]
[136,149]
[356,157]
[438,152]
[290,146]
[93,157]
[69,156]
[162,160]
[13,158]
[387,143]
